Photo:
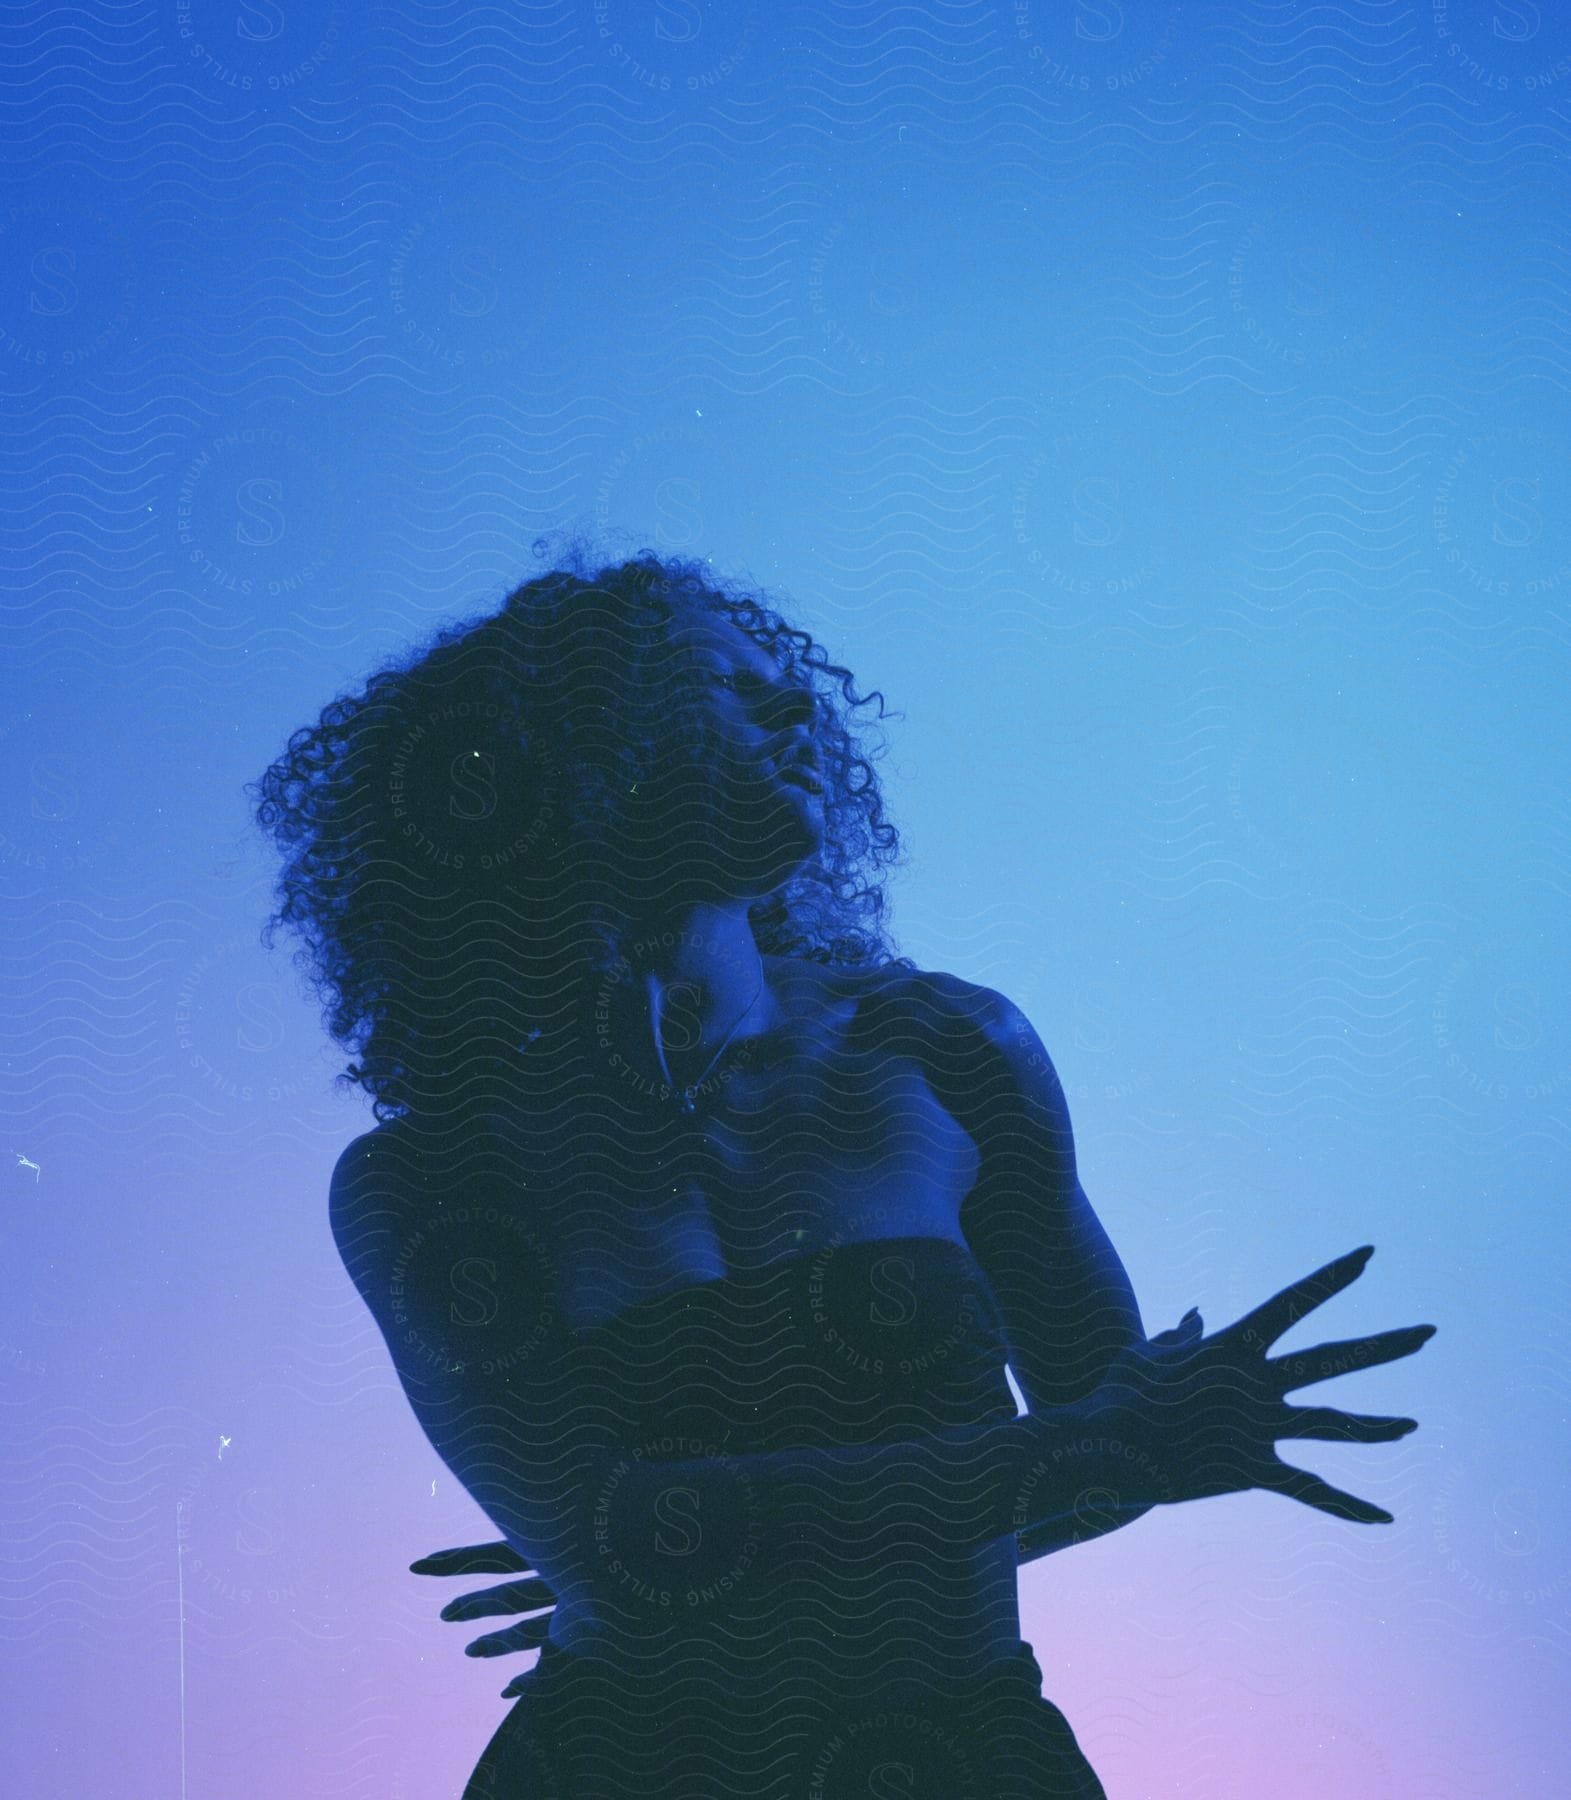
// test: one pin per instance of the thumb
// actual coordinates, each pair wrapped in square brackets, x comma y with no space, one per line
[1189,1330]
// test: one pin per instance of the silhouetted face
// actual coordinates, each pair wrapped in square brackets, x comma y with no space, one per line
[753,805]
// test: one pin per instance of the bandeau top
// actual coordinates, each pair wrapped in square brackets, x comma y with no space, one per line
[859,1342]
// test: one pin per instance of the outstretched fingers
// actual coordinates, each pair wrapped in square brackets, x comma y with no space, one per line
[1327,1360]
[1299,1484]
[528,1595]
[528,1634]
[1267,1322]
[1333,1427]
[473,1559]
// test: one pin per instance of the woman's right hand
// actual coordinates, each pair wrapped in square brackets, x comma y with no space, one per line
[1203,1415]
[528,1593]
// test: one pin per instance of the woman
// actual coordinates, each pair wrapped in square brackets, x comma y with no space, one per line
[700,1227]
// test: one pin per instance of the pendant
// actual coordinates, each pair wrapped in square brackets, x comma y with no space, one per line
[688,1103]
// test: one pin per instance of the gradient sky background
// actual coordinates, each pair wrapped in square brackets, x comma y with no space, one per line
[1166,406]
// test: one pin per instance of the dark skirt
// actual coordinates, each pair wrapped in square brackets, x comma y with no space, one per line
[581,1731]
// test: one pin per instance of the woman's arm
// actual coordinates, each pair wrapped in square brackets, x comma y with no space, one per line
[1181,1417]
[965,1486]
[1068,1305]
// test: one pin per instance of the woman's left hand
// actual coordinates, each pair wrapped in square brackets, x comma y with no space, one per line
[529,1592]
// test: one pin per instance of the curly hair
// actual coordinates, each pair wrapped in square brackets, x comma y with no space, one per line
[456,837]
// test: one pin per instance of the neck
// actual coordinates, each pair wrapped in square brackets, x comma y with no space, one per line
[708,945]
[699,966]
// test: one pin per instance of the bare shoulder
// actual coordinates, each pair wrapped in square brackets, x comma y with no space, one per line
[981,1053]
[957,1002]
[888,985]
[446,1265]
[367,1161]
[361,1186]
[963,1017]
[378,1177]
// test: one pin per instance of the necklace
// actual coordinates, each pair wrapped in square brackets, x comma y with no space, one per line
[689,1102]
